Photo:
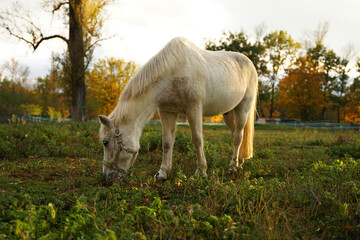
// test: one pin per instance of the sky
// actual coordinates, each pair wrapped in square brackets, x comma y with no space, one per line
[140,28]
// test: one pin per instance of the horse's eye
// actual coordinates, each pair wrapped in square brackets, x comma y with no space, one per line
[105,142]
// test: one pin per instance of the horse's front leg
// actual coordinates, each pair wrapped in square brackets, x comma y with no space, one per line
[168,122]
[195,121]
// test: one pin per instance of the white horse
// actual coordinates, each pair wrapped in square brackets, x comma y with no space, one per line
[182,79]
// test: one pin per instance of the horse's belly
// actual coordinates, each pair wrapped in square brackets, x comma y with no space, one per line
[221,102]
[214,108]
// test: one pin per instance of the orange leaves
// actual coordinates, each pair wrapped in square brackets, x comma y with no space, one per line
[214,119]
[301,93]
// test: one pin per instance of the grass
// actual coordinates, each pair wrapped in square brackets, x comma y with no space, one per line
[301,184]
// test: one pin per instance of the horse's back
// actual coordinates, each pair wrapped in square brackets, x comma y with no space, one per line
[218,81]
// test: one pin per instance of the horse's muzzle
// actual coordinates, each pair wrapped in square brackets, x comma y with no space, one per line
[110,175]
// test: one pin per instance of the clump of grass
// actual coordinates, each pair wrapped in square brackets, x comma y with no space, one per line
[68,139]
[345,146]
[316,142]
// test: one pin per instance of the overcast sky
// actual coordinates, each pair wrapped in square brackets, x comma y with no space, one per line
[142,27]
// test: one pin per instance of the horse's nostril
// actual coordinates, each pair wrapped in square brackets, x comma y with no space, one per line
[105,142]
[109,176]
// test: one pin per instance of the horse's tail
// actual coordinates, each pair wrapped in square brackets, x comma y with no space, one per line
[246,147]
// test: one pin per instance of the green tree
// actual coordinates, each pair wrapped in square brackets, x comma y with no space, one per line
[339,87]
[264,97]
[14,88]
[84,19]
[326,60]
[239,42]
[12,96]
[352,108]
[281,51]
[335,76]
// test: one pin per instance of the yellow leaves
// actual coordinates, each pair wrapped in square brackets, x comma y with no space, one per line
[31,109]
[92,17]
[178,183]
[54,114]
[105,83]
[52,210]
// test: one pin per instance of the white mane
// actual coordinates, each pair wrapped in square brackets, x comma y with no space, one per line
[153,71]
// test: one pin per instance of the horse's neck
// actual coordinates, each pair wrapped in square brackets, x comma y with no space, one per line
[139,110]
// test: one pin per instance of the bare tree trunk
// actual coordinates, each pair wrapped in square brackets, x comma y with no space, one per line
[77,55]
[338,114]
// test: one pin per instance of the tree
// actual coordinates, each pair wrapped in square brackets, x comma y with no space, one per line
[280,50]
[335,77]
[264,97]
[18,73]
[312,37]
[324,60]
[14,88]
[84,19]
[339,87]
[239,42]
[50,90]
[352,108]
[299,91]
[105,83]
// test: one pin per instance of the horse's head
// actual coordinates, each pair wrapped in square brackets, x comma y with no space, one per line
[120,151]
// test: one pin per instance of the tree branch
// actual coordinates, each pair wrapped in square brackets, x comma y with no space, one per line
[59,6]
[28,32]
[35,44]
[48,38]
[96,42]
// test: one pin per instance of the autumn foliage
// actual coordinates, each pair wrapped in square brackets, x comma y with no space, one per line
[301,93]
[105,83]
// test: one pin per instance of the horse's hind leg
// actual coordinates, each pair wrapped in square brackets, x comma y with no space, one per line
[229,119]
[195,121]
[168,122]
[241,116]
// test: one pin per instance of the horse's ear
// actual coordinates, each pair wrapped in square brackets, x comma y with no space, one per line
[105,121]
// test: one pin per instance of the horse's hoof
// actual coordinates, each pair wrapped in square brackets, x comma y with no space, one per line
[235,169]
[160,176]
[200,172]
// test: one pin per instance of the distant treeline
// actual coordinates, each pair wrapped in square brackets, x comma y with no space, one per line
[308,82]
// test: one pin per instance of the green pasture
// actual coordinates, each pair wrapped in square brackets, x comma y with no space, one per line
[301,184]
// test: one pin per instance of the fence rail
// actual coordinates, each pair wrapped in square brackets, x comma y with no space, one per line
[321,125]
[29,118]
[317,125]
